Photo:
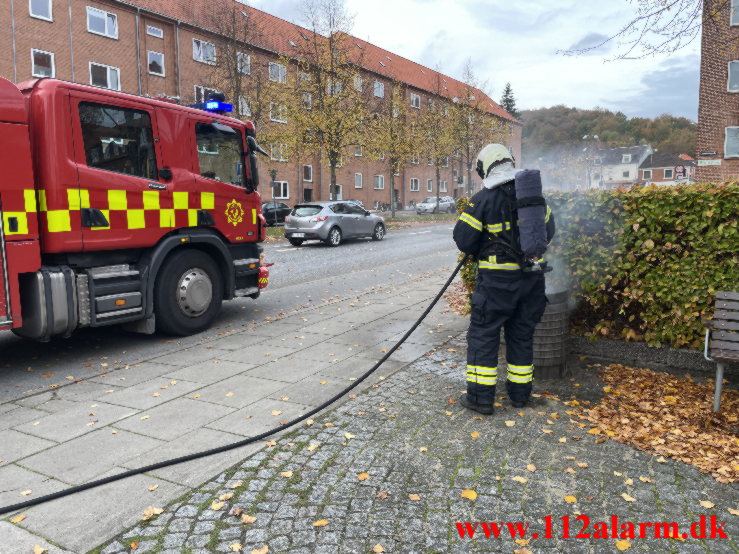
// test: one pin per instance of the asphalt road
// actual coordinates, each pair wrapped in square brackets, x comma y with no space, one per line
[301,277]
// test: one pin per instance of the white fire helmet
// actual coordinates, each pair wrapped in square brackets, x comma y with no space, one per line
[490,155]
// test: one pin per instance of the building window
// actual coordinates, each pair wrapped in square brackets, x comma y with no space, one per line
[340,161]
[277,112]
[379,89]
[277,72]
[105,76]
[430,185]
[308,173]
[280,190]
[334,88]
[358,181]
[731,142]
[379,181]
[429,161]
[40,9]
[734,12]
[154,31]
[415,185]
[244,107]
[668,173]
[443,187]
[307,100]
[305,77]
[415,100]
[278,152]
[647,174]
[414,160]
[381,156]
[243,62]
[42,63]
[156,63]
[445,161]
[358,83]
[358,150]
[203,93]
[626,174]
[102,23]
[204,52]
[626,159]
[732,81]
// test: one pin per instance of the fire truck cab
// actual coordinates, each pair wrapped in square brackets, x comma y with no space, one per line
[122,209]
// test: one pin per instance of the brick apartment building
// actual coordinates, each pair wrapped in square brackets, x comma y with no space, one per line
[166,47]
[718,110]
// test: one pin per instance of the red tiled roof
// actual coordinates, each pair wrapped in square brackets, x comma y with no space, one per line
[285,38]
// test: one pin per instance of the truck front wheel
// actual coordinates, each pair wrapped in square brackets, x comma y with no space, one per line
[187,294]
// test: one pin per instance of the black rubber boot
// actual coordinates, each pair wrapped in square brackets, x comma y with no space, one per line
[479,398]
[484,409]
[519,393]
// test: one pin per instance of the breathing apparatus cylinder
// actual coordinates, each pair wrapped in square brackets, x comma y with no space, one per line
[532,227]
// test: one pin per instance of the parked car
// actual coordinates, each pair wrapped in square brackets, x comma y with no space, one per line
[275,212]
[429,206]
[332,222]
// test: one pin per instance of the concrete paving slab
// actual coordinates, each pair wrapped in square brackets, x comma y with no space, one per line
[237,341]
[258,354]
[312,391]
[329,328]
[82,521]
[356,366]
[407,353]
[259,417]
[329,351]
[83,459]
[84,391]
[289,369]
[194,473]
[76,421]
[7,407]
[15,445]
[135,374]
[299,340]
[16,480]
[142,397]
[187,356]
[210,371]
[17,415]
[17,539]
[239,391]
[174,419]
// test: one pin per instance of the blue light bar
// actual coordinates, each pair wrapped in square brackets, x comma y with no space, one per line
[218,106]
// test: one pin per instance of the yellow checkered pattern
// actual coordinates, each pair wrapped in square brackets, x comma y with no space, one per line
[118,201]
[29,201]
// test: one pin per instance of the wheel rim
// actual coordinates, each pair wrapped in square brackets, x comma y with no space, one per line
[335,236]
[379,232]
[194,292]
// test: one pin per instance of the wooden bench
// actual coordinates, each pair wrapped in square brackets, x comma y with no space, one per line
[722,338]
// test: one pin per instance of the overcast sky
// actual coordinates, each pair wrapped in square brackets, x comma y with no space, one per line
[517,41]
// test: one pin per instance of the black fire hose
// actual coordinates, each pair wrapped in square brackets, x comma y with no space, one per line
[239,444]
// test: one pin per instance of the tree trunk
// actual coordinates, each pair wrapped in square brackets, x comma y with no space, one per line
[438,188]
[332,186]
[392,193]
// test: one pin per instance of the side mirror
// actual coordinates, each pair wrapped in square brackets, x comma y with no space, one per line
[165,173]
[366,213]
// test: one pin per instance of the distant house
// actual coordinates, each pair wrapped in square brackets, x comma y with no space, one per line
[611,168]
[662,168]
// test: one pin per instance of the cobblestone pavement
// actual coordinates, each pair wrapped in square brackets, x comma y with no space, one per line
[420,450]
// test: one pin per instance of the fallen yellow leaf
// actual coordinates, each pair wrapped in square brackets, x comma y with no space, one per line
[645,479]
[150,512]
[237,484]
[510,423]
[707,504]
[628,482]
[582,465]
[469,493]
[225,497]
[520,479]
[26,493]
[216,505]
[18,518]
[623,545]
[271,443]
[133,546]
[40,549]
[153,487]
[247,519]
[423,449]
[570,499]
[321,523]
[237,547]
[628,498]
[531,468]
[349,436]
[229,394]
[363,476]
[617,473]
[563,439]
[377,549]
[474,434]
[286,474]
[414,497]
[276,412]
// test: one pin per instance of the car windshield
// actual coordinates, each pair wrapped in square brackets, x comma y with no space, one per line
[430,200]
[304,211]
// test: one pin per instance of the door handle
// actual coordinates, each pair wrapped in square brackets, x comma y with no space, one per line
[157,186]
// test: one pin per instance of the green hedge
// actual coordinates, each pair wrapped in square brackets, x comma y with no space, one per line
[644,263]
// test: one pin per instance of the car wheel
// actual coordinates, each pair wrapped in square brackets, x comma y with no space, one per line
[295,242]
[188,293]
[334,237]
[379,232]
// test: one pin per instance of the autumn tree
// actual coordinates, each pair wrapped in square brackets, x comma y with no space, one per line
[508,101]
[393,134]
[437,131]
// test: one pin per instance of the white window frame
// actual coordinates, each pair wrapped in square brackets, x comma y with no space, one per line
[415,185]
[358,183]
[358,151]
[203,94]
[281,72]
[379,89]
[735,64]
[726,142]
[307,101]
[33,63]
[280,112]
[148,63]
[430,162]
[358,83]
[415,100]
[429,185]
[284,191]
[734,17]
[199,50]
[244,107]
[443,186]
[109,68]
[671,175]
[49,3]
[281,152]
[153,31]
[334,87]
[243,63]
[415,160]
[626,158]
[381,156]
[98,11]
[378,182]
[310,168]
[647,174]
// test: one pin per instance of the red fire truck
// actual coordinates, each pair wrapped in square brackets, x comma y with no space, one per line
[118,209]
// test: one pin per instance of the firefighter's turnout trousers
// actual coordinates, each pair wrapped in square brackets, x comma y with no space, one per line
[515,305]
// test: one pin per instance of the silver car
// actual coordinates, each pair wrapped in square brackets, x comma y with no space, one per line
[332,222]
[429,206]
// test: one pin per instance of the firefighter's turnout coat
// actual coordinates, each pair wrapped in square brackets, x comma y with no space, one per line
[505,296]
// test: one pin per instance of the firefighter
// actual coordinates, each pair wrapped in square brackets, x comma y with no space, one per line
[509,291]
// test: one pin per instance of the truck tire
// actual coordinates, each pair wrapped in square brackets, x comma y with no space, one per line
[188,293]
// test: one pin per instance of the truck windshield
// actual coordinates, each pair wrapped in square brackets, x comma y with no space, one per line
[220,153]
